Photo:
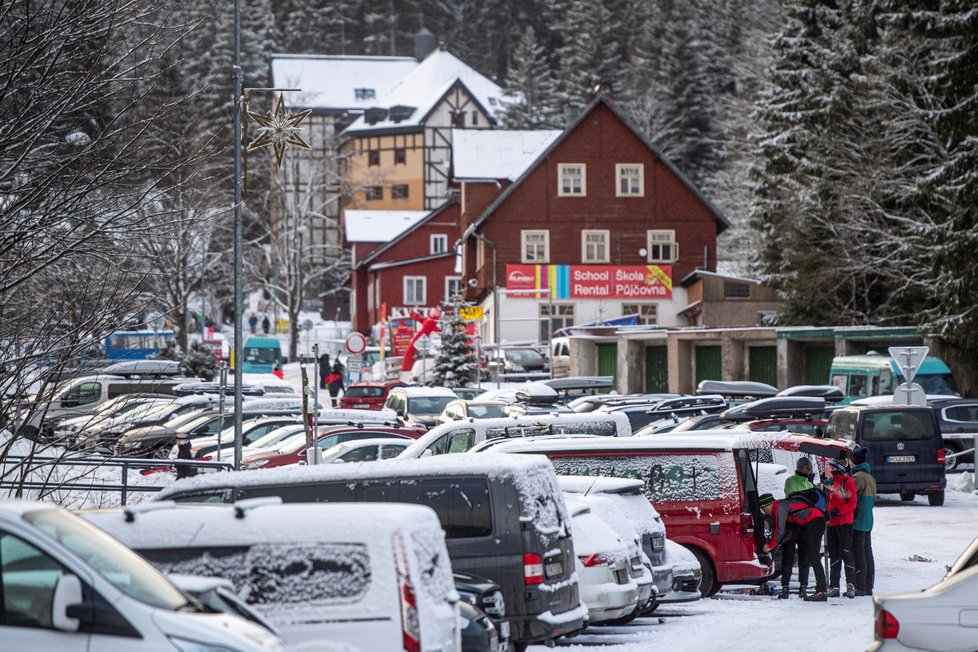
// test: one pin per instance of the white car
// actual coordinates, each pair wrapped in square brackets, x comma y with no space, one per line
[70,587]
[686,575]
[943,617]
[605,584]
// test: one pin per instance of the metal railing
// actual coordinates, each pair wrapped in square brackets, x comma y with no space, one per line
[16,470]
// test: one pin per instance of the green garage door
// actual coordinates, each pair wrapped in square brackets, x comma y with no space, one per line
[708,363]
[762,364]
[656,369]
[607,359]
[818,363]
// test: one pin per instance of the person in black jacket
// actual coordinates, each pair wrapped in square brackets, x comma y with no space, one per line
[184,453]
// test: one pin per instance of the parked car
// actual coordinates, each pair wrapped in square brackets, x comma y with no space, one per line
[69,586]
[686,575]
[536,398]
[958,421]
[419,406]
[602,564]
[218,594]
[517,363]
[940,617]
[904,447]
[251,431]
[366,575]
[710,475]
[503,516]
[374,446]
[471,409]
[590,403]
[368,395]
[486,595]
[676,408]
[466,393]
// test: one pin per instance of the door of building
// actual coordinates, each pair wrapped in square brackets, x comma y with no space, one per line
[709,364]
[818,364]
[656,369]
[607,359]
[762,364]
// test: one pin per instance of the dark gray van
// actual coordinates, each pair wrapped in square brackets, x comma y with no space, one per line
[503,516]
[904,446]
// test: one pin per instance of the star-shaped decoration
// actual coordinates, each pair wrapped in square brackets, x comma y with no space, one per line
[279,129]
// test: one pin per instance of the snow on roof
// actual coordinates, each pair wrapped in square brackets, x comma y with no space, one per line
[421,392]
[494,465]
[497,154]
[425,85]
[337,83]
[379,226]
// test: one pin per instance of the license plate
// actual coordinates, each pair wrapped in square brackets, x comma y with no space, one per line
[621,576]
[554,569]
[503,628]
[359,406]
[901,459]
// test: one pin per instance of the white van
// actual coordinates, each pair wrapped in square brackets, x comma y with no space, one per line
[68,586]
[372,576]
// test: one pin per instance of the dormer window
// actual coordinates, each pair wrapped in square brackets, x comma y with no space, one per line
[365,93]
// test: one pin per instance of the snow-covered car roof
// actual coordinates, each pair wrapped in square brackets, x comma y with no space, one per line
[422,392]
[488,464]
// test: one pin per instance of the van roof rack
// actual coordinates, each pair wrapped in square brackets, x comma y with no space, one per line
[778,407]
[242,507]
[736,388]
[130,511]
[187,389]
[713,402]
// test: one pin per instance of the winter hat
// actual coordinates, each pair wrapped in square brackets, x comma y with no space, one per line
[838,466]
[182,436]
[765,499]
[858,456]
[802,463]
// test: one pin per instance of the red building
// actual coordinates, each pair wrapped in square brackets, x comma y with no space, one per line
[600,204]
[414,268]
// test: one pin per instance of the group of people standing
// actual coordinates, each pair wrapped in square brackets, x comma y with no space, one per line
[331,377]
[841,510]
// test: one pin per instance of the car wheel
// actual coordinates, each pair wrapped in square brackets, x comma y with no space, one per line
[907,496]
[951,464]
[160,453]
[936,499]
[518,647]
[708,580]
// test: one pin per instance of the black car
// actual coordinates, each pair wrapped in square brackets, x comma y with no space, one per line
[958,419]
[484,594]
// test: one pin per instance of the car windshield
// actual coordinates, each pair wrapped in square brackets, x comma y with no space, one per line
[485,411]
[523,355]
[428,404]
[938,384]
[120,566]
[365,392]
[261,356]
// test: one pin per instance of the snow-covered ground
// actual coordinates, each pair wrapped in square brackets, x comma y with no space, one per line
[913,543]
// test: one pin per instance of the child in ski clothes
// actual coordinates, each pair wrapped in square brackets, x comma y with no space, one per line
[838,542]
[795,511]
[862,525]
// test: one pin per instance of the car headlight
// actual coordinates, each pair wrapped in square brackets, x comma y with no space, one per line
[186,645]
[256,464]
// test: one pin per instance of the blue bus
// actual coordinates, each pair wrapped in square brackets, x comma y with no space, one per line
[137,345]
[260,355]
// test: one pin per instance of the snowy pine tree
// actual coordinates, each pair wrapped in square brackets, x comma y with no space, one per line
[455,364]
[200,361]
[589,59]
[530,80]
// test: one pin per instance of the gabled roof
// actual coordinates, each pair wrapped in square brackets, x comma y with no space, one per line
[378,226]
[497,153]
[329,83]
[426,217]
[411,261]
[420,91]
[721,219]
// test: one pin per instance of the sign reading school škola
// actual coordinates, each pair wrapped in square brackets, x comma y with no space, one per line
[591,281]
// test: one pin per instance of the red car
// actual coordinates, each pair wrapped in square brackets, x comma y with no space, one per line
[368,395]
[293,450]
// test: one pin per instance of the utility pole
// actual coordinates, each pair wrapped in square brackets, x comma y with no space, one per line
[238,231]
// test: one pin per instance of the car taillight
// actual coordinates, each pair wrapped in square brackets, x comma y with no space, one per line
[596,560]
[532,568]
[746,523]
[941,456]
[887,626]
[410,630]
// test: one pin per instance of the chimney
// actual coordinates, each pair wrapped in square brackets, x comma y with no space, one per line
[424,44]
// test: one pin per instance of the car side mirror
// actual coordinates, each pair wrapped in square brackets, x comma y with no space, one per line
[67,594]
[301,453]
[338,461]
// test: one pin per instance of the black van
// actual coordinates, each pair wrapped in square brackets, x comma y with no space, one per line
[503,516]
[905,448]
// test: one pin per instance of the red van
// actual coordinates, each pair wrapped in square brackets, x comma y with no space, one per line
[703,485]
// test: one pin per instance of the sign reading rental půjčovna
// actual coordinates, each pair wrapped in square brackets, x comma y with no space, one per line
[590,281]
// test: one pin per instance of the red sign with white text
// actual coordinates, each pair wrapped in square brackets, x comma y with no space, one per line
[590,281]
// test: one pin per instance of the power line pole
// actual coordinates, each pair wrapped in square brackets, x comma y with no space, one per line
[238,231]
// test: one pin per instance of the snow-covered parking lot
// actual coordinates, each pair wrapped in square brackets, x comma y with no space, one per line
[913,543]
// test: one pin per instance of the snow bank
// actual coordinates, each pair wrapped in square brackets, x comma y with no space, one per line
[964,482]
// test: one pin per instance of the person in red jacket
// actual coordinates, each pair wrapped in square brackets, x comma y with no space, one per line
[797,512]
[838,542]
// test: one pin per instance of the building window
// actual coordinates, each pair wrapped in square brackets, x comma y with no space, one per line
[734,290]
[594,246]
[399,191]
[571,180]
[439,243]
[631,179]
[415,290]
[663,247]
[551,322]
[475,118]
[365,93]
[648,313]
[374,192]
[373,157]
[453,287]
[400,156]
[536,246]
[458,119]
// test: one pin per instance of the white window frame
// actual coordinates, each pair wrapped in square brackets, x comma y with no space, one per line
[448,286]
[565,167]
[438,237]
[423,300]
[606,243]
[643,319]
[654,238]
[545,258]
[565,313]
[620,169]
